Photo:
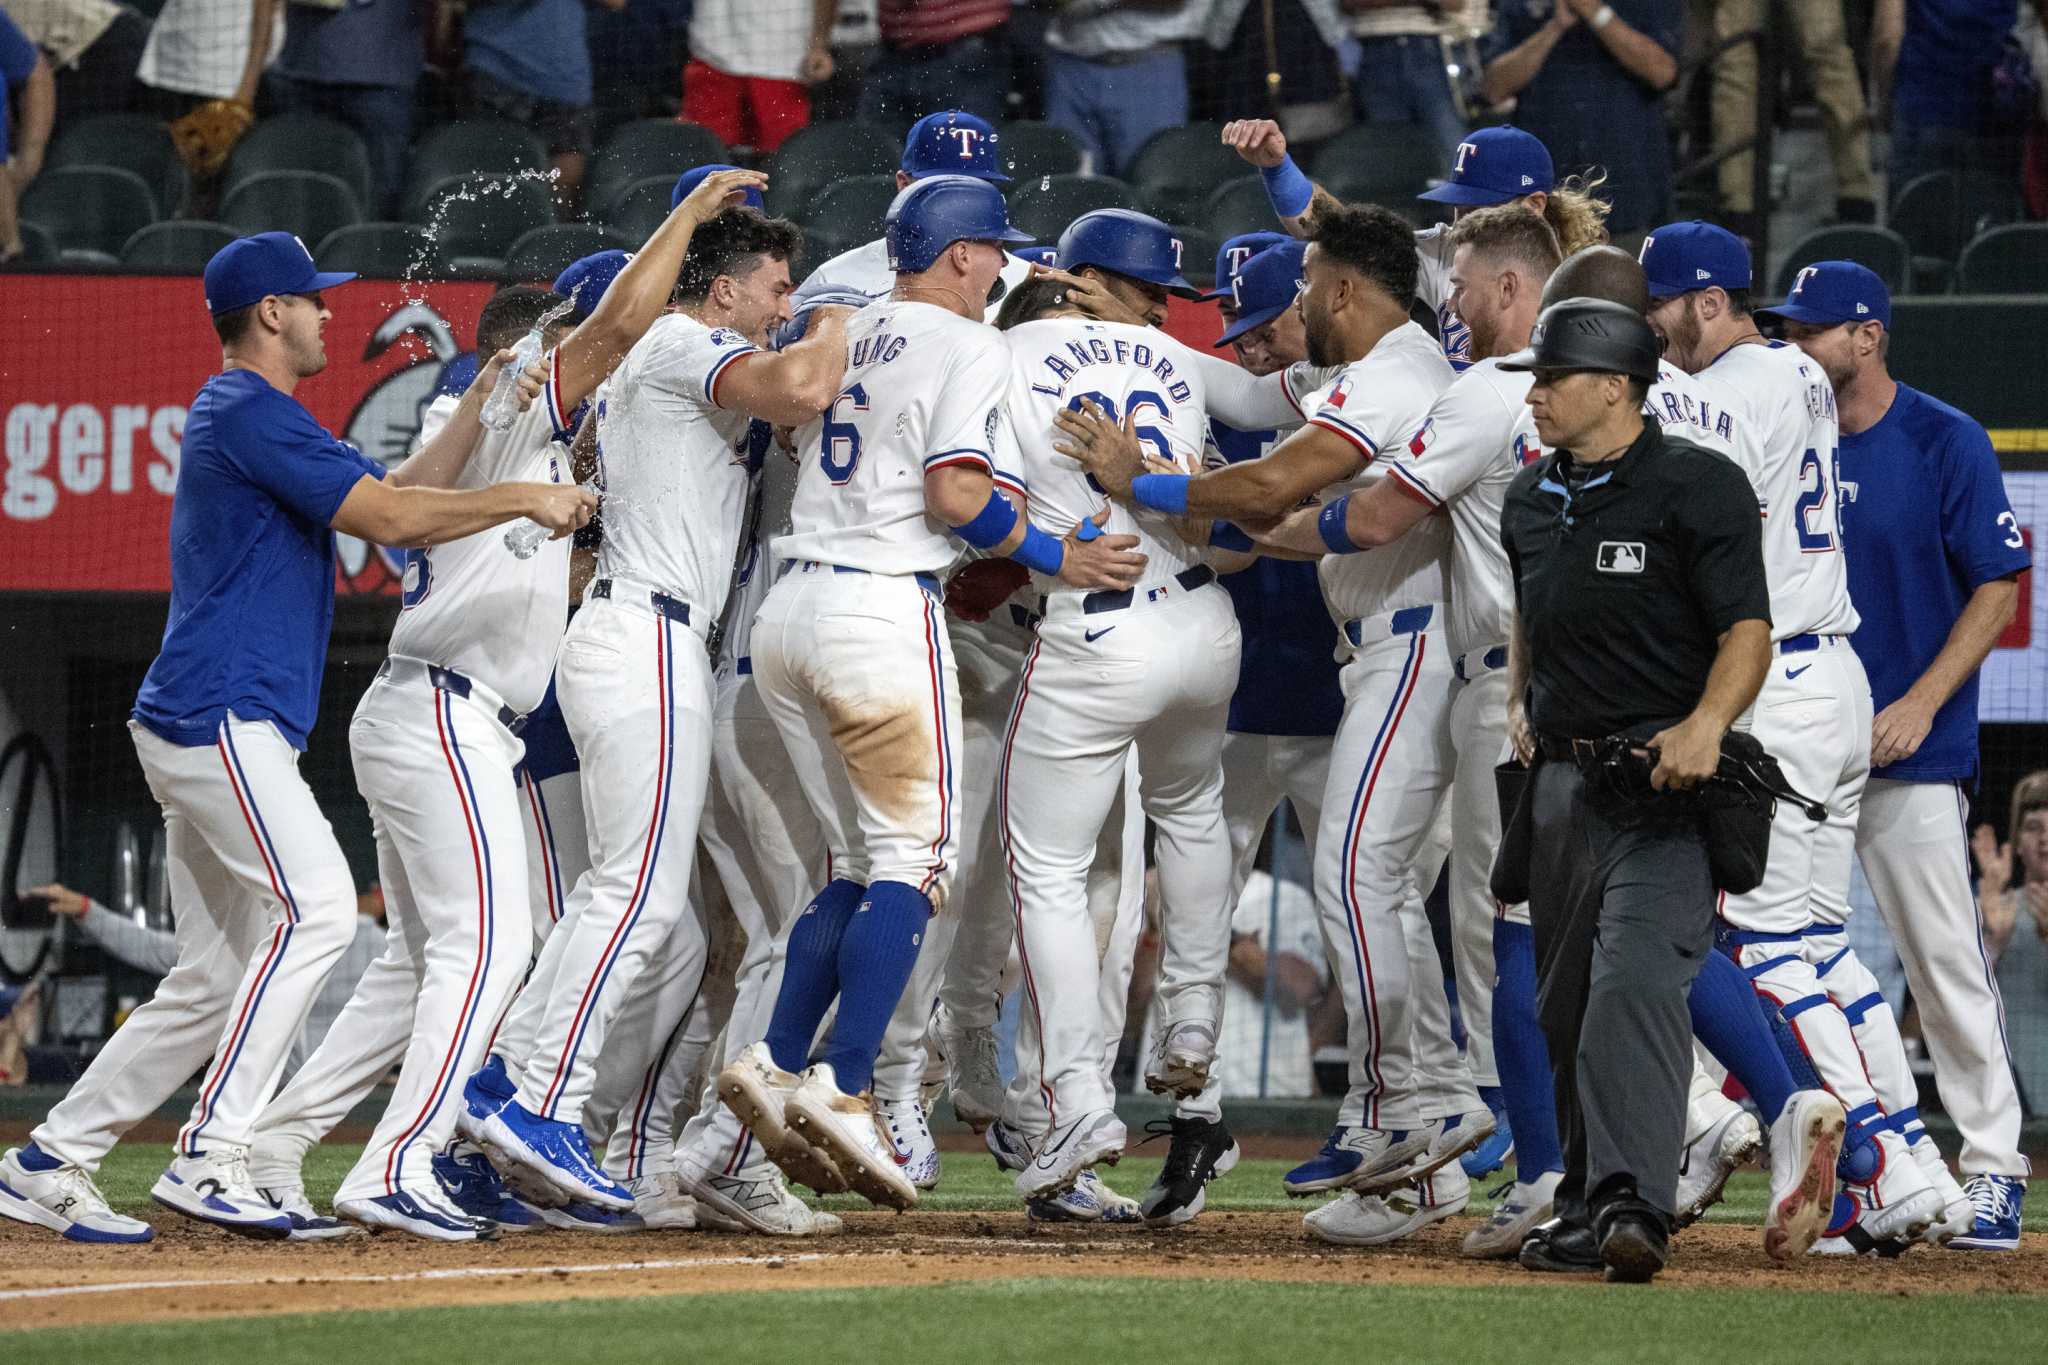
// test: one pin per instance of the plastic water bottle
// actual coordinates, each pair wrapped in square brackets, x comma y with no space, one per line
[501,409]
[525,539]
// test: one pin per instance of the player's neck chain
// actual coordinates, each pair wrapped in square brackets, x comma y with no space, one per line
[905,291]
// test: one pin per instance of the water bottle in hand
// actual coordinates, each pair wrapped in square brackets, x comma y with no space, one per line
[501,409]
[526,538]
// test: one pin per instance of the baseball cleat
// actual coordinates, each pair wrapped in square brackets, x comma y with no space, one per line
[1806,1141]
[1181,1065]
[1010,1148]
[1363,1159]
[847,1131]
[1901,1203]
[1493,1153]
[557,1152]
[483,1095]
[214,1187]
[758,1091]
[973,1077]
[660,1204]
[418,1214]
[1501,1236]
[754,1200]
[910,1138]
[474,1186]
[1449,1140]
[1087,1200]
[308,1224]
[1997,1200]
[1096,1138]
[581,1216]
[1710,1158]
[39,1189]
[1201,1150]
[1367,1220]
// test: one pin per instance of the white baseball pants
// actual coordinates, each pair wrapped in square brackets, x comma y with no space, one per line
[557,846]
[1479,731]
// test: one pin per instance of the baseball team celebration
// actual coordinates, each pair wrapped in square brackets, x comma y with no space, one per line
[1109,680]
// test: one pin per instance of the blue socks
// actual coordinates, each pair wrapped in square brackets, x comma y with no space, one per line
[876,954]
[810,973]
[34,1158]
[1527,1090]
[1730,1019]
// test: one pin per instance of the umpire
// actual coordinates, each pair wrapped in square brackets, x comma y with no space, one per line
[1642,630]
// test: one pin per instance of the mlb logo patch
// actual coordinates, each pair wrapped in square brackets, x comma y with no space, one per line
[1620,556]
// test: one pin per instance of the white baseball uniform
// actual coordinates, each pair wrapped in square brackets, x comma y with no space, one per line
[1433,251]
[865,269]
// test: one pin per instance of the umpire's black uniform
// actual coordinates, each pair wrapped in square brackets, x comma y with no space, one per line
[1626,574]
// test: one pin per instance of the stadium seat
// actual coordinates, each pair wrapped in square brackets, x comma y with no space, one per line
[822,154]
[1029,149]
[646,148]
[302,142]
[1927,213]
[181,247]
[541,254]
[1239,207]
[1045,206]
[89,209]
[383,251]
[38,247]
[1379,163]
[1881,250]
[1198,248]
[132,142]
[858,204]
[1179,168]
[469,147]
[477,218]
[823,241]
[2012,259]
[635,212]
[309,203]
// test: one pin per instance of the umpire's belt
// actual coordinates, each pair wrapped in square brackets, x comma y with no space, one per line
[929,582]
[1364,630]
[1805,644]
[1091,603]
[628,593]
[1582,754]
[1472,663]
[402,669]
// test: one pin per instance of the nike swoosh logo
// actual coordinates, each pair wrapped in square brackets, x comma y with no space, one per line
[1052,1149]
[1792,673]
[1093,635]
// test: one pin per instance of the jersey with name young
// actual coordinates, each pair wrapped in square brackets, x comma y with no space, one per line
[471,604]
[675,467]
[1785,438]
[865,269]
[1926,513]
[924,391]
[252,564]
[1378,403]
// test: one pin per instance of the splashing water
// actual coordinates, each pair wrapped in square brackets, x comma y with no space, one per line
[419,273]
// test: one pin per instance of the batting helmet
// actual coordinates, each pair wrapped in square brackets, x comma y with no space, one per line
[1128,243]
[689,180]
[1590,334]
[931,214]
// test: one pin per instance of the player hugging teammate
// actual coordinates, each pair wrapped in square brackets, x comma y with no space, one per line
[923,588]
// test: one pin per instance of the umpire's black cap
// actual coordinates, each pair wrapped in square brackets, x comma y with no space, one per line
[1590,334]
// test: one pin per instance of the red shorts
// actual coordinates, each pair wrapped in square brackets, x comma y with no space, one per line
[745,111]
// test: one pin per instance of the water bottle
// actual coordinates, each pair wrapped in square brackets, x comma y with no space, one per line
[525,539]
[501,409]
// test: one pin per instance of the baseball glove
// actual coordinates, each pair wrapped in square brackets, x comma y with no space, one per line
[981,585]
[205,136]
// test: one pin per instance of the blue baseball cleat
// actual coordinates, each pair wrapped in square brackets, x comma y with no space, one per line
[1997,1200]
[1350,1155]
[578,1216]
[555,1151]
[483,1095]
[418,1215]
[473,1185]
[1492,1154]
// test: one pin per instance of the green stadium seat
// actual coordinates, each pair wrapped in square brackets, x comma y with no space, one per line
[477,218]
[90,212]
[383,251]
[823,154]
[181,247]
[635,212]
[647,148]
[301,142]
[1045,206]
[304,202]
[1029,149]
[132,142]
[469,147]
[1379,163]
[1884,252]
[857,205]
[1239,207]
[2012,259]
[1179,168]
[541,253]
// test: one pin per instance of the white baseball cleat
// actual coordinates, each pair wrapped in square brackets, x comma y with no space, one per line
[754,1199]
[1710,1158]
[1806,1141]
[1450,1139]
[1087,1200]
[759,1091]
[660,1204]
[63,1199]
[1907,1204]
[308,1223]
[846,1130]
[1368,1220]
[1010,1148]
[214,1187]
[1094,1139]
[973,1077]
[1501,1236]
[1180,1066]
[1958,1213]
[910,1138]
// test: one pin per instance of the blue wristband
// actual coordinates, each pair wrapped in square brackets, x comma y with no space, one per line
[1087,530]
[1166,493]
[1330,524]
[1287,189]
[1228,535]
[991,525]
[1040,552]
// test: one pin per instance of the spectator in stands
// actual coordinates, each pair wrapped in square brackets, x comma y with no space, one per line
[201,51]
[751,65]
[358,64]
[1837,89]
[1275,59]
[1936,58]
[1115,73]
[1588,79]
[32,91]
[1401,73]
[93,46]
[528,61]
[2018,942]
[937,54]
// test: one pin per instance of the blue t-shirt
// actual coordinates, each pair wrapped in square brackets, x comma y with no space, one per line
[364,42]
[1287,670]
[17,59]
[534,46]
[1926,522]
[1945,60]
[252,564]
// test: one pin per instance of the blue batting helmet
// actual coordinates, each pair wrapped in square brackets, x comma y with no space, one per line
[1128,243]
[931,214]
[689,180]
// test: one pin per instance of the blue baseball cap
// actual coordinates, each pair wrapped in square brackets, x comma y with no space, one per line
[583,282]
[1234,253]
[1494,165]
[250,269]
[1038,255]
[1830,292]
[953,143]
[692,178]
[1265,288]
[1681,257]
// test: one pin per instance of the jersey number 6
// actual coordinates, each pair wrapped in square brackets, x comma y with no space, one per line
[840,463]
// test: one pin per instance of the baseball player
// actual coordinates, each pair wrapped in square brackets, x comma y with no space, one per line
[1814,711]
[683,431]
[1937,554]
[265,899]
[853,660]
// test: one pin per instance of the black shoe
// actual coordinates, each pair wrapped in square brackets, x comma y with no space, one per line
[1202,1150]
[1633,1248]
[1561,1248]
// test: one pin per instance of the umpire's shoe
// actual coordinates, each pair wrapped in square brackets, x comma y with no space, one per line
[1202,1149]
[1563,1247]
[1633,1244]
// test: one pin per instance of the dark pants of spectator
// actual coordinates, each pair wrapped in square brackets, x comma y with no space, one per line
[1230,82]
[1113,105]
[103,79]
[1919,148]
[902,85]
[380,114]
[1403,80]
[1622,906]
[745,111]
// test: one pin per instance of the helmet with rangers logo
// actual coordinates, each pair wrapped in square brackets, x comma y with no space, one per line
[1126,242]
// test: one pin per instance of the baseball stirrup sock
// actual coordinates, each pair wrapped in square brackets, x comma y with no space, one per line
[810,973]
[1729,1017]
[1527,1089]
[875,960]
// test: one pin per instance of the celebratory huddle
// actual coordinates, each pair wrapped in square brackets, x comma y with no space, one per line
[911,597]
